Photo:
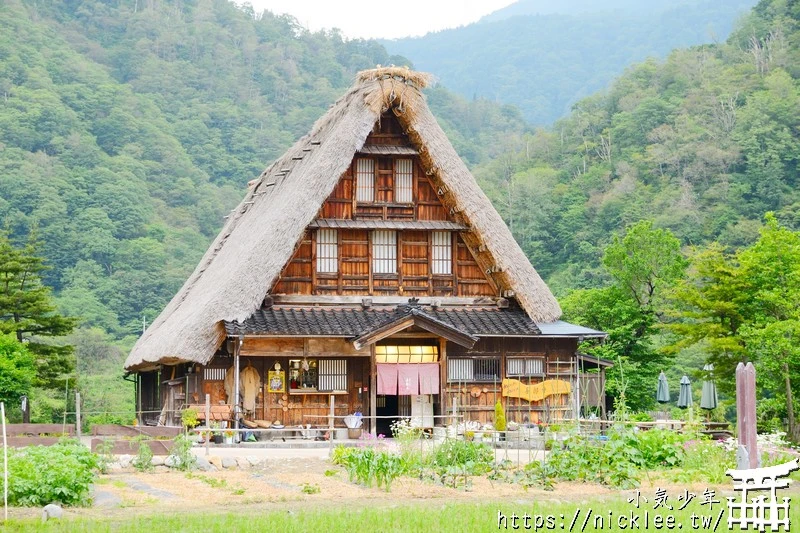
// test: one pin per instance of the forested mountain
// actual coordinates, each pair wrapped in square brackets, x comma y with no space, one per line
[128,129]
[582,7]
[544,56]
[704,143]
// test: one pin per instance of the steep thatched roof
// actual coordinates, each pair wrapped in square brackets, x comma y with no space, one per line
[261,234]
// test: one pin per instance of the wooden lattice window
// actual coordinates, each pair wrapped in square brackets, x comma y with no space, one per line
[332,375]
[384,252]
[403,180]
[477,369]
[327,251]
[442,252]
[525,366]
[365,180]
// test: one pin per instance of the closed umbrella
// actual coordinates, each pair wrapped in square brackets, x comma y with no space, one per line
[662,394]
[685,394]
[708,399]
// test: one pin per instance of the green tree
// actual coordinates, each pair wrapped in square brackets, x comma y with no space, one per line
[644,264]
[746,307]
[17,370]
[27,312]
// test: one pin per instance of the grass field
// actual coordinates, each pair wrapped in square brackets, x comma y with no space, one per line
[593,515]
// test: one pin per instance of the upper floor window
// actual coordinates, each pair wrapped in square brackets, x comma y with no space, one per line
[403,180]
[327,251]
[384,252]
[365,180]
[442,252]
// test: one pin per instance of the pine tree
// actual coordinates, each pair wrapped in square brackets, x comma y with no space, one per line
[27,311]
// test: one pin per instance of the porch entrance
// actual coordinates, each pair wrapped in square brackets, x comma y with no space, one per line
[419,408]
[408,382]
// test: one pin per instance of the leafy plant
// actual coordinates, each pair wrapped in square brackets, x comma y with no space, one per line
[308,488]
[104,455]
[39,475]
[365,465]
[475,457]
[704,461]
[143,462]
[189,418]
[182,452]
[210,481]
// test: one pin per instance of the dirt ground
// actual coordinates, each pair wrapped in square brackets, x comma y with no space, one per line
[277,484]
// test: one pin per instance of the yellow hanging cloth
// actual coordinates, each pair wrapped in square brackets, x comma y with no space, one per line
[514,388]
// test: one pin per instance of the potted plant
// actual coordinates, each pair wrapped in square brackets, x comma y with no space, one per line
[469,435]
[216,436]
[500,420]
[229,433]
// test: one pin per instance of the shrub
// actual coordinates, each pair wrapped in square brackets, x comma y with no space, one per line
[471,457]
[104,455]
[661,447]
[39,475]
[182,452]
[705,460]
[612,462]
[499,417]
[189,418]
[365,465]
[143,462]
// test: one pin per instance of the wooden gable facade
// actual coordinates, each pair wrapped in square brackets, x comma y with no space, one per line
[397,238]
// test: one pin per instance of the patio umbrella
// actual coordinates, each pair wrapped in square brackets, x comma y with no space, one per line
[708,399]
[662,394]
[685,394]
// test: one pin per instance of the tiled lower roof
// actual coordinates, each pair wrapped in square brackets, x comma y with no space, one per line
[357,321]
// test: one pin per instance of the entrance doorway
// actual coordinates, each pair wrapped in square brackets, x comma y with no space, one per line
[388,405]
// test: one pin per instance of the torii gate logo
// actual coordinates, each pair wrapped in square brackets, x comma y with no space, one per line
[756,513]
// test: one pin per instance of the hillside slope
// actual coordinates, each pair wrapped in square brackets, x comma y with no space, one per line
[545,62]
[128,130]
[704,143]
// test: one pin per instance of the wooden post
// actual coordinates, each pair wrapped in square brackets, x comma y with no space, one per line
[78,413]
[208,420]
[5,461]
[443,403]
[373,391]
[139,416]
[236,377]
[332,414]
[746,416]
[26,410]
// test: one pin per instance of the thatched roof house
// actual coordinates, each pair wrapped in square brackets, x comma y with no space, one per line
[284,214]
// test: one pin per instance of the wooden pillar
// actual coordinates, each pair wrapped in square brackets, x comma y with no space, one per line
[331,415]
[373,391]
[746,416]
[26,410]
[208,421]
[443,398]
[236,377]
[78,414]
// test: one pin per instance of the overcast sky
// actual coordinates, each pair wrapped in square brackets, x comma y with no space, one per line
[388,20]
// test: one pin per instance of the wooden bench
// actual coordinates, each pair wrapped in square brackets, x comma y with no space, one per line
[217,413]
